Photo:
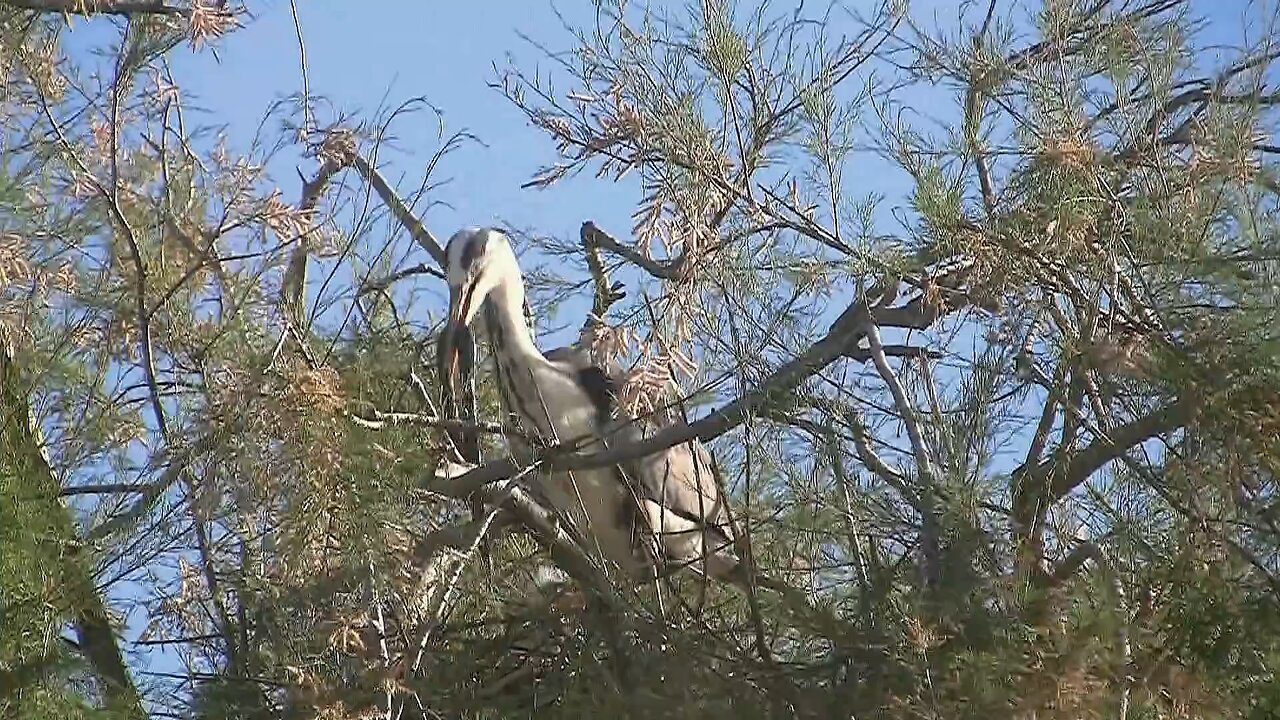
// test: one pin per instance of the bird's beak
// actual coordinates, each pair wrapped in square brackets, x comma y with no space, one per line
[455,342]
[459,300]
[455,363]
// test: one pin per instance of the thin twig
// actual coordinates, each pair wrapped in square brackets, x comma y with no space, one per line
[104,489]
[382,284]
[606,294]
[380,420]
[308,121]
[929,521]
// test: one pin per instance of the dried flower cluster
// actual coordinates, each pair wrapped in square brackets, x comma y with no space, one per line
[311,390]
[209,20]
[607,344]
[1239,165]
[289,223]
[1073,150]
[646,389]
[15,267]
[338,147]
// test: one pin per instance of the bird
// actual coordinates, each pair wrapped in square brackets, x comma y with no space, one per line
[660,512]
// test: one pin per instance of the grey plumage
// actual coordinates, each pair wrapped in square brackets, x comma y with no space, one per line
[665,507]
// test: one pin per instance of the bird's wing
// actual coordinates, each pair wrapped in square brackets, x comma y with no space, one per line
[568,355]
[681,486]
[679,497]
[577,358]
[676,489]
[682,479]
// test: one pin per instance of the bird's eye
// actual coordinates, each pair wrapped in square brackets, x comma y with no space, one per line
[471,251]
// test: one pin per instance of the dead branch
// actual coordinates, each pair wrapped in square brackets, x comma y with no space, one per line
[1111,446]
[384,283]
[907,413]
[606,294]
[293,286]
[844,331]
[593,236]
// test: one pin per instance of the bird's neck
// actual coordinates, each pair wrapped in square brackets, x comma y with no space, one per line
[509,331]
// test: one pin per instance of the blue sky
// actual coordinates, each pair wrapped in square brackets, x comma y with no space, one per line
[363,61]
[364,58]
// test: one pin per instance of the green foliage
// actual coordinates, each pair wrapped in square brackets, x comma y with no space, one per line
[41,574]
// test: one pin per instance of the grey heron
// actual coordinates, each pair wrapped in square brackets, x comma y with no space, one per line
[660,512]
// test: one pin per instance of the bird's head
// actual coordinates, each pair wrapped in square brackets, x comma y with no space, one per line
[478,262]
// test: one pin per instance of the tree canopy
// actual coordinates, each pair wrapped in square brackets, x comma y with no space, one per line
[978,311]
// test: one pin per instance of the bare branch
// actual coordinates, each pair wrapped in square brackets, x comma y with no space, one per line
[906,411]
[594,236]
[1083,463]
[384,283]
[1074,560]
[929,529]
[381,420]
[179,462]
[872,459]
[843,333]
[567,553]
[293,285]
[606,294]
[894,350]
[105,489]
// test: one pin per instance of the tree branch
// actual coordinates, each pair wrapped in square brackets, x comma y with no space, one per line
[379,420]
[1092,457]
[892,350]
[593,235]
[152,491]
[844,333]
[566,552]
[105,489]
[930,538]
[293,284]
[606,294]
[393,278]
[1072,563]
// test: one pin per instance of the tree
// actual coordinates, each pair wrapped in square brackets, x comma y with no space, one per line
[1014,431]
[1082,222]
